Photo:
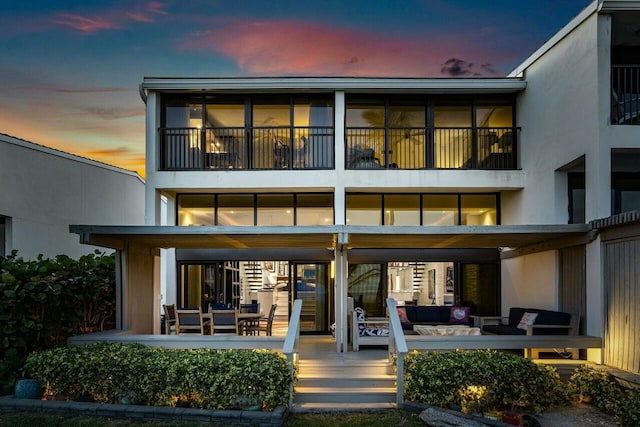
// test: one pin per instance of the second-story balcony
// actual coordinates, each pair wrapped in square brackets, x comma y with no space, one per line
[625,94]
[312,148]
[431,148]
[246,148]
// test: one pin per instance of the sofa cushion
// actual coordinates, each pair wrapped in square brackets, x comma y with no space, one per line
[503,330]
[412,312]
[459,315]
[402,314]
[429,313]
[527,320]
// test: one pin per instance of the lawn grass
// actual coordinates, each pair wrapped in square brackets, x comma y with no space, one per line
[334,419]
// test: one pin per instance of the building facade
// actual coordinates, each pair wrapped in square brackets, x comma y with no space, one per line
[475,192]
[44,190]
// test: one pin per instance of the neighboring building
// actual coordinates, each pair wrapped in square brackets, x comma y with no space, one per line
[43,191]
[469,191]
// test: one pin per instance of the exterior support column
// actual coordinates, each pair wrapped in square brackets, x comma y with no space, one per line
[342,326]
[141,307]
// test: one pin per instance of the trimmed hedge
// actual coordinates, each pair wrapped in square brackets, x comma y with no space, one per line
[606,394]
[481,380]
[44,301]
[133,373]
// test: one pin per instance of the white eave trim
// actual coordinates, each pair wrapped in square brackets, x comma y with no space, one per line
[557,37]
[619,5]
[353,84]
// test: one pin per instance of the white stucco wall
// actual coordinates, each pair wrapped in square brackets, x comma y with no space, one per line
[43,191]
[559,116]
[530,281]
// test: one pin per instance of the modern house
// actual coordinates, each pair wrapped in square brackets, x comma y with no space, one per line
[44,190]
[483,192]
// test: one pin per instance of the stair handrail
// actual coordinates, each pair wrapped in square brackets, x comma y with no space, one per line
[397,345]
[292,341]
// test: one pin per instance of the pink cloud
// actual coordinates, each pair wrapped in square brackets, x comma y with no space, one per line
[85,24]
[298,47]
[111,19]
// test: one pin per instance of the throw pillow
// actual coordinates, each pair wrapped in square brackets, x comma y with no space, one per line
[459,315]
[528,319]
[402,313]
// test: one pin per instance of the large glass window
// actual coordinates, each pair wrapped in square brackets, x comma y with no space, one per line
[196,209]
[275,209]
[183,113]
[364,209]
[576,197]
[422,209]
[440,209]
[235,209]
[478,209]
[452,136]
[314,209]
[625,180]
[255,209]
[402,209]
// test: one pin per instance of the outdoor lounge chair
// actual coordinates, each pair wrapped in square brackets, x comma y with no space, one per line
[372,331]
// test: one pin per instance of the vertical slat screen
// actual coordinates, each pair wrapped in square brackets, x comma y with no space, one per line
[573,283]
[622,303]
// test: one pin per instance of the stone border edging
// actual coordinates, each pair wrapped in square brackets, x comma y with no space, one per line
[139,412]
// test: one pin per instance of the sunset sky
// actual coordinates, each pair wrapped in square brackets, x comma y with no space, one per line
[70,70]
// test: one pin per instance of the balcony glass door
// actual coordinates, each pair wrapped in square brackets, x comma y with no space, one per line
[311,285]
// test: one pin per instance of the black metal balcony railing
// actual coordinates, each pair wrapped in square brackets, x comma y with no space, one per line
[431,148]
[273,148]
[625,94]
[252,148]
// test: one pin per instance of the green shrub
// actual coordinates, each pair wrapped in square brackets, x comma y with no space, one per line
[44,301]
[605,393]
[481,380]
[213,379]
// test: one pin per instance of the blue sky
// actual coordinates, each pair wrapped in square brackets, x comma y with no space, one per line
[70,69]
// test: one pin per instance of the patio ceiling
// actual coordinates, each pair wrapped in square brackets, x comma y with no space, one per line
[513,236]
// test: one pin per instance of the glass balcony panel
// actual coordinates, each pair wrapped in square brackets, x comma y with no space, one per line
[407,148]
[452,116]
[494,116]
[407,116]
[440,209]
[364,209]
[365,113]
[478,209]
[365,148]
[271,115]
[402,209]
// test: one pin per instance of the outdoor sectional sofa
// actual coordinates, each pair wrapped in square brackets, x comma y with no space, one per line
[432,315]
[547,322]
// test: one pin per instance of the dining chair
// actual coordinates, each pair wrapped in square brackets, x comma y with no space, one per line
[224,321]
[189,321]
[268,325]
[169,318]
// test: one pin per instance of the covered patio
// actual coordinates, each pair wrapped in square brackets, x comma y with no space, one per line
[138,247]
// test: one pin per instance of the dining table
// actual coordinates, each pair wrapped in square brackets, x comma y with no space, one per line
[245,321]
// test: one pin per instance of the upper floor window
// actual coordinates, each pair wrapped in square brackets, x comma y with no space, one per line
[625,180]
[625,68]
[255,209]
[247,132]
[422,209]
[416,132]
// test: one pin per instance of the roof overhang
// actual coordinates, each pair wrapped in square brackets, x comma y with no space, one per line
[330,84]
[337,236]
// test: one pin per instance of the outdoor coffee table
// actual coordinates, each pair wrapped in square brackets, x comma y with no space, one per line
[445,330]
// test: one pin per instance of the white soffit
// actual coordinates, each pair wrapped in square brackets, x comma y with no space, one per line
[330,84]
